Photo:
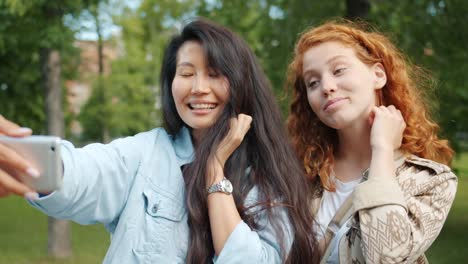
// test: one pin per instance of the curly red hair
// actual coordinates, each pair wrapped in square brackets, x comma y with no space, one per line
[406,89]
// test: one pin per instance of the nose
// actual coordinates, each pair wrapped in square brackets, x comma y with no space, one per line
[200,85]
[328,85]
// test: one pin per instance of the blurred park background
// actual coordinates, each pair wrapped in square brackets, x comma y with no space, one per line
[88,70]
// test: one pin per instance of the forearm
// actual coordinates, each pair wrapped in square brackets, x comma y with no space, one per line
[246,245]
[382,163]
[398,228]
[88,195]
[386,234]
[223,214]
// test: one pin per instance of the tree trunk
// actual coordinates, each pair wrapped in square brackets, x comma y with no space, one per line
[105,137]
[59,242]
[357,9]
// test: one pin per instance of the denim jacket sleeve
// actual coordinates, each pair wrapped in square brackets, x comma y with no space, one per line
[97,179]
[246,245]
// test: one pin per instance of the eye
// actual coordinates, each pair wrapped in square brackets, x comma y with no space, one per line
[186,74]
[312,84]
[339,71]
[213,74]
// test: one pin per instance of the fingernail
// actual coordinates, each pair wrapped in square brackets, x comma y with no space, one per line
[31,196]
[24,130]
[33,172]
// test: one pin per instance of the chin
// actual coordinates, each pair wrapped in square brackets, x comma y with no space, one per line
[203,126]
[337,124]
[341,120]
[336,127]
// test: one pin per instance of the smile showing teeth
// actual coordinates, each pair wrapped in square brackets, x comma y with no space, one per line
[202,106]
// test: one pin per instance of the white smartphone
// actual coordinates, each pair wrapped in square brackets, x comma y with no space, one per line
[43,152]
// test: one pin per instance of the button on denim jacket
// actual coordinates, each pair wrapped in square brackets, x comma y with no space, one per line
[134,186]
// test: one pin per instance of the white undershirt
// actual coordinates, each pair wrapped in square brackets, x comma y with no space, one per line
[331,202]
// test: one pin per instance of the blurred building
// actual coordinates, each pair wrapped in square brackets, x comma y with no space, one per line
[79,91]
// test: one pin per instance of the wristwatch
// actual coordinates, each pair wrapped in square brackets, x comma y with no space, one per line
[223,186]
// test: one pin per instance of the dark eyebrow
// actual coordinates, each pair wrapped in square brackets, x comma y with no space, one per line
[185,64]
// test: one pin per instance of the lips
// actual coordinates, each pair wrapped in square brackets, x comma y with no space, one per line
[331,102]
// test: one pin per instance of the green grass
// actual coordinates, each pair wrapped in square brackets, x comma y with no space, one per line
[23,237]
[23,232]
[451,245]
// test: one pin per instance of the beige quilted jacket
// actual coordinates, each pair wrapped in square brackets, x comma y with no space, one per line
[396,219]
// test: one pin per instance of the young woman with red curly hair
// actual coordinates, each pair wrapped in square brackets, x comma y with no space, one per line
[360,124]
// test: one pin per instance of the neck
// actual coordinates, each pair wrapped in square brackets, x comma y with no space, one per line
[196,136]
[354,150]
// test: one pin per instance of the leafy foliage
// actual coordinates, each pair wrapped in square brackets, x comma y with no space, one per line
[131,92]
[28,27]
[427,30]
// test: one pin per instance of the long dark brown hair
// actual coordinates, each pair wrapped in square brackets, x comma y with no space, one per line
[274,168]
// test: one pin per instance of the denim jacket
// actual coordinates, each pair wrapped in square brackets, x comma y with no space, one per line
[134,186]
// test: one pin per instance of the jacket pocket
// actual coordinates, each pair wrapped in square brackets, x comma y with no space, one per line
[164,233]
[162,205]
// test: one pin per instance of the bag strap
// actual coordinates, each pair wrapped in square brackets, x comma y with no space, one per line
[344,213]
[341,217]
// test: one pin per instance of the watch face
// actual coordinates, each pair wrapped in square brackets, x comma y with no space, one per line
[227,186]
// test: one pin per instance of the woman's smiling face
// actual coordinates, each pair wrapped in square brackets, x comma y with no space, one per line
[200,93]
[341,89]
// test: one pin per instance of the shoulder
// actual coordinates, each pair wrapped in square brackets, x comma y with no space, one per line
[150,138]
[421,175]
[430,166]
[142,137]
[152,134]
[137,143]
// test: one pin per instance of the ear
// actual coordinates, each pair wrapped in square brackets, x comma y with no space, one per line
[380,75]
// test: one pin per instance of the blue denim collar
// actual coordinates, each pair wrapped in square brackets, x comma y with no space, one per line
[183,146]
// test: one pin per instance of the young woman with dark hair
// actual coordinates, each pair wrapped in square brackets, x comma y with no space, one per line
[219,182]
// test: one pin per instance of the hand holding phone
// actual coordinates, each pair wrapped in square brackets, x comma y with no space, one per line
[10,160]
[43,153]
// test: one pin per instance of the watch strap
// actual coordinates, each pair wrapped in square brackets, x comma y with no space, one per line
[223,186]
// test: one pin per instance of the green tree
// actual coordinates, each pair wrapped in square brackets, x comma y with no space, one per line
[271,28]
[132,89]
[427,30]
[430,33]
[31,39]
